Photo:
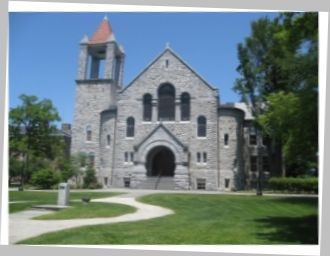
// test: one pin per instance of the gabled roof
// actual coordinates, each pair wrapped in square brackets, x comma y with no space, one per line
[161,126]
[103,33]
[167,49]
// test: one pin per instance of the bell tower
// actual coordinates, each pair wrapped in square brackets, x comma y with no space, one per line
[101,57]
[99,78]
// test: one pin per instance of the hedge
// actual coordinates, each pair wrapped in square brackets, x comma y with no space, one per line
[292,184]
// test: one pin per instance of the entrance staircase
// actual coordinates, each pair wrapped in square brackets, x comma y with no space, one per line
[160,182]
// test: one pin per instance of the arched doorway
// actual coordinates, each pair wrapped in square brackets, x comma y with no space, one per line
[160,162]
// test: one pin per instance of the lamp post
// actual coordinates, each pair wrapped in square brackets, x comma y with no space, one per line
[23,171]
[259,166]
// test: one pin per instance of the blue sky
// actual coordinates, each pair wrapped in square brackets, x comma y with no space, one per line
[44,49]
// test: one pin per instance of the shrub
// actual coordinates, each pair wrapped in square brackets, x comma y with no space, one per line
[291,184]
[45,178]
[90,180]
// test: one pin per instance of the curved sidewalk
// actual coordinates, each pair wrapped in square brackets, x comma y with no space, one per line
[22,227]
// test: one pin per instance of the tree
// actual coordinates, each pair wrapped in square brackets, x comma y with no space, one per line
[32,125]
[31,133]
[77,164]
[15,168]
[285,121]
[256,67]
[279,117]
[90,180]
[259,75]
[281,57]
[302,147]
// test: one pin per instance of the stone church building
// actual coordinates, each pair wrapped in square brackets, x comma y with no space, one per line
[166,129]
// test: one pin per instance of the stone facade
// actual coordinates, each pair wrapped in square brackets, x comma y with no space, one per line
[212,161]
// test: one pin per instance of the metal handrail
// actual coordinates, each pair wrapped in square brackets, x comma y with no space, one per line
[158,179]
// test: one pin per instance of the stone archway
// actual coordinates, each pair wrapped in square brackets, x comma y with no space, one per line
[161,159]
[160,162]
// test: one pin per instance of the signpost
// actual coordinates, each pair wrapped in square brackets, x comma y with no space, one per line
[63,194]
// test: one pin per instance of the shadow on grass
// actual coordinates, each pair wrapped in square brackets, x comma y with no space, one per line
[288,230]
[307,201]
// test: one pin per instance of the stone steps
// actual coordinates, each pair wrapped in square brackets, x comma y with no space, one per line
[164,183]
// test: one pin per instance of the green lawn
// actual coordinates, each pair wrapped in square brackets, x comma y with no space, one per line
[90,210]
[31,198]
[206,219]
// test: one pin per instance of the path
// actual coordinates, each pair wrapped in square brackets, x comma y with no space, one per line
[21,226]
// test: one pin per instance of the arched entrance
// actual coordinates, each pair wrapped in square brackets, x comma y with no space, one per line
[160,162]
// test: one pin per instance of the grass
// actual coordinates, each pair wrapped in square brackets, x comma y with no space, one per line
[206,219]
[90,210]
[26,199]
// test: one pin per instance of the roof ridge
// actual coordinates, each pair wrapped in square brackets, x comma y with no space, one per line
[159,126]
[168,49]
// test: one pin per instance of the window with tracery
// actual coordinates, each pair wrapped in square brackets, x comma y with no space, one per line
[166,103]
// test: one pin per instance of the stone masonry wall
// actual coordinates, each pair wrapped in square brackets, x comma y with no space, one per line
[231,155]
[204,101]
[100,105]
[92,97]
[108,125]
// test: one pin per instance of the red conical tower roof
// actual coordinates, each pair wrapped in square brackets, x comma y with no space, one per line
[103,33]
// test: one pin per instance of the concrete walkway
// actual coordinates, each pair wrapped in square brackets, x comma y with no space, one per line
[21,226]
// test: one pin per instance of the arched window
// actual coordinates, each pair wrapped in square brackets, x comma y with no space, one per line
[88,133]
[198,157]
[108,140]
[166,102]
[130,127]
[204,157]
[147,107]
[185,106]
[226,139]
[201,126]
